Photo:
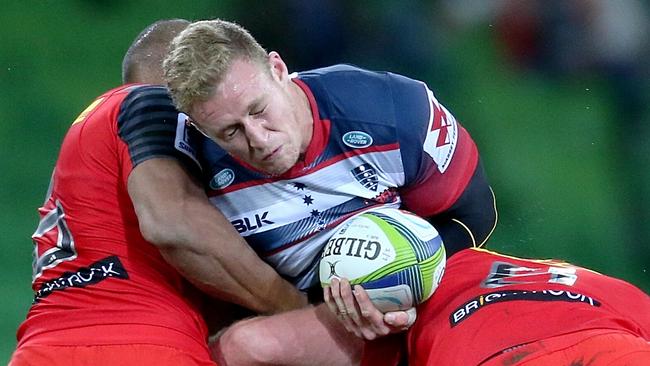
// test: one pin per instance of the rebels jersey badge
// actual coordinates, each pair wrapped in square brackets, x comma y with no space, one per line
[442,135]
[366,175]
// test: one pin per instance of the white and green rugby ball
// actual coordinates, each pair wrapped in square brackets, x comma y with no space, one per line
[396,256]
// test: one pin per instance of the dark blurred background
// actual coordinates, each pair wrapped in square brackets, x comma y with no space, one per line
[555,93]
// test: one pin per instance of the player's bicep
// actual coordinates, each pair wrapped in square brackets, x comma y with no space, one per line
[159,188]
[430,190]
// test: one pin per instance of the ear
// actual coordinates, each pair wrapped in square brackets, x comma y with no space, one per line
[279,69]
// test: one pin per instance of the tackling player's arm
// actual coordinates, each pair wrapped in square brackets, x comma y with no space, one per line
[175,215]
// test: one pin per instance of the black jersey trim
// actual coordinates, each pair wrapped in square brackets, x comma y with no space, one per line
[147,123]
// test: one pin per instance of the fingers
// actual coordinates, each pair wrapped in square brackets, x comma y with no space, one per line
[329,300]
[365,304]
[413,315]
[335,287]
[351,307]
[373,318]
[401,320]
[357,313]
[344,305]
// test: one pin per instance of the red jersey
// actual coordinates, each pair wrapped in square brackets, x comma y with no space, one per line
[92,267]
[487,303]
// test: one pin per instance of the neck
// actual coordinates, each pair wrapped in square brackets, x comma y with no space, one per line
[303,115]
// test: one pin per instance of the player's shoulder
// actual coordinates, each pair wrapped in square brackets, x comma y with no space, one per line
[341,73]
[146,110]
[345,77]
[134,92]
[145,96]
[145,102]
[351,92]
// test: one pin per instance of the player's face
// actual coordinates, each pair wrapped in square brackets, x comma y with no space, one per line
[258,116]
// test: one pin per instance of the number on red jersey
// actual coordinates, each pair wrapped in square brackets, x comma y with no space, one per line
[52,228]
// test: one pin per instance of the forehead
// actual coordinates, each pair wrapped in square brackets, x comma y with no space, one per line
[241,76]
[244,83]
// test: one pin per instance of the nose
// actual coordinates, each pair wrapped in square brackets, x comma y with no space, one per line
[257,134]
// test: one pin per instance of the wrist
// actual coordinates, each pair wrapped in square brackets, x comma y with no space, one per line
[286,299]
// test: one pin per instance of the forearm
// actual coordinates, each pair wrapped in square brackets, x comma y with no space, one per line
[194,237]
[219,262]
[252,289]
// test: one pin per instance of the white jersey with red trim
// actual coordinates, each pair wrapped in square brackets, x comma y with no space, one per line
[379,139]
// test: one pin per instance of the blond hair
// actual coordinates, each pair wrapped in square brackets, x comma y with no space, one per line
[202,54]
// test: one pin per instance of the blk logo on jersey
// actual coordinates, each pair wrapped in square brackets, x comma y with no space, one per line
[366,175]
[247,224]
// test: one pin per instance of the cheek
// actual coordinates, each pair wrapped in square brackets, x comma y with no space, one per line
[237,149]
[281,115]
[275,117]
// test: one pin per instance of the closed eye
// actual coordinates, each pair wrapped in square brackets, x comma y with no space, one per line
[257,111]
[231,131]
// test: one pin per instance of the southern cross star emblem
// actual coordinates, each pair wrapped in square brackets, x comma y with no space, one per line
[307,200]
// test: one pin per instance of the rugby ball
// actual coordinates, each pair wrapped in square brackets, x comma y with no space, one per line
[396,256]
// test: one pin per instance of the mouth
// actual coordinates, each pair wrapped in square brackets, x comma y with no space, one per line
[273,154]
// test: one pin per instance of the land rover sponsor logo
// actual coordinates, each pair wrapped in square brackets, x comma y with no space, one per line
[357,139]
[222,179]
